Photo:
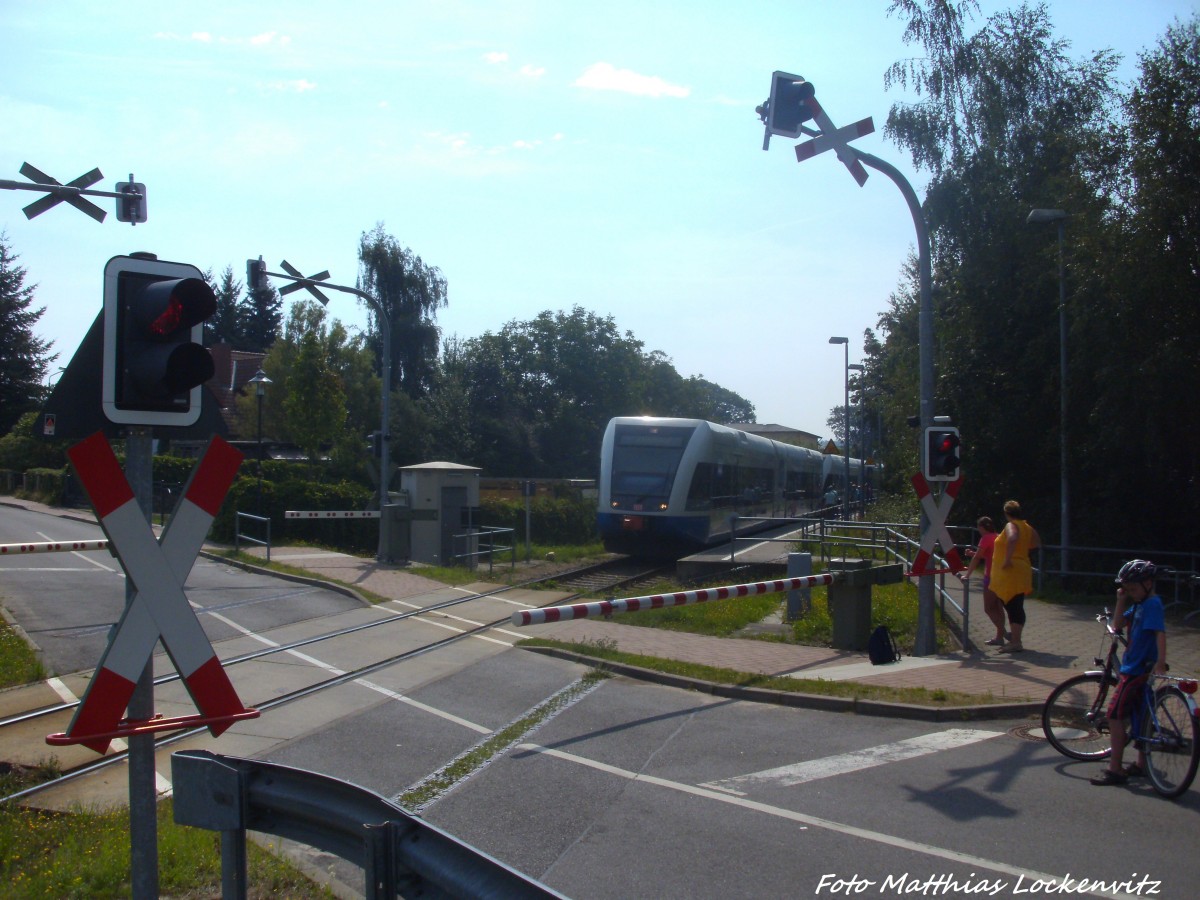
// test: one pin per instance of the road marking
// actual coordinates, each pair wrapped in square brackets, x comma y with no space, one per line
[370,685]
[59,687]
[878,837]
[855,761]
[437,612]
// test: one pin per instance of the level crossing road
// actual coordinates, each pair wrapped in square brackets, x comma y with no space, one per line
[67,602]
[630,789]
[639,790]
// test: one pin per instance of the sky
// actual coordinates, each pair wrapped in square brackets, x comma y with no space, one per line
[543,155]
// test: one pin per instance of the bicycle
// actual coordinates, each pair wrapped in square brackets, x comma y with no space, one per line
[1165,726]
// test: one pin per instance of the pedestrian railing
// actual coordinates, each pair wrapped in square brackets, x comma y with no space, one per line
[239,535]
[485,538]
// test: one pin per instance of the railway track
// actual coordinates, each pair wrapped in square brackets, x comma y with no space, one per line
[606,577]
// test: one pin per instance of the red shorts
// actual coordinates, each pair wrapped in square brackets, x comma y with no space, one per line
[1126,696]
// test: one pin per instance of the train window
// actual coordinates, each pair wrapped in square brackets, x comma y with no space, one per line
[645,460]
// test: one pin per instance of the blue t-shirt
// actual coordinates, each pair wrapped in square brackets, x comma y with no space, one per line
[1145,619]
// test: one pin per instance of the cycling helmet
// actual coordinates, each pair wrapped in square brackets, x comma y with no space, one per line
[1137,570]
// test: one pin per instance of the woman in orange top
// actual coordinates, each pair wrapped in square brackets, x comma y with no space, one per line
[1012,571]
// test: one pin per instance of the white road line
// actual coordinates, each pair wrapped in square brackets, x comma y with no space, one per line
[437,612]
[59,687]
[878,837]
[855,761]
[370,685]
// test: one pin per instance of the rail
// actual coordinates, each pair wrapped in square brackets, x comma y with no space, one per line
[239,536]
[397,851]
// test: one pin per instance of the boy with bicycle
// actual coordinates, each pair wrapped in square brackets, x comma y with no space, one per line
[1145,653]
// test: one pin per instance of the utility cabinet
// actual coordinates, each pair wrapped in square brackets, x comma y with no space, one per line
[444,499]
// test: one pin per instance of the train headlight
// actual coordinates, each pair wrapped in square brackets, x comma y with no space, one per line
[662,507]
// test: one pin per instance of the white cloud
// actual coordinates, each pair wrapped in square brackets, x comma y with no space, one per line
[203,36]
[495,57]
[604,76]
[532,71]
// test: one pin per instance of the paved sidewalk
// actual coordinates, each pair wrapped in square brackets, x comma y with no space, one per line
[1060,640]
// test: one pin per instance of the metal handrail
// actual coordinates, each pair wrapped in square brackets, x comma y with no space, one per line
[238,536]
[492,548]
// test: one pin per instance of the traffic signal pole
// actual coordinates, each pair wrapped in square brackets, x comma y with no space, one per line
[791,104]
[925,643]
[256,270]
[143,777]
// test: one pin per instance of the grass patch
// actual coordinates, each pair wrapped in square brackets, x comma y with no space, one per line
[86,854]
[18,663]
[893,605]
[604,650]
[716,618]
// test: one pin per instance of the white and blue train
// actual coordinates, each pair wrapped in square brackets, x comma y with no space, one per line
[671,486]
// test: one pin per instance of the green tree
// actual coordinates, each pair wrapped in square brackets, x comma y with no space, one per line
[1136,440]
[260,313]
[1005,121]
[24,357]
[315,404]
[225,325]
[411,292]
[322,352]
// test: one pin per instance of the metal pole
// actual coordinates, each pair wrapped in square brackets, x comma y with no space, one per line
[846,474]
[926,637]
[383,553]
[1064,512]
[143,793]
[259,392]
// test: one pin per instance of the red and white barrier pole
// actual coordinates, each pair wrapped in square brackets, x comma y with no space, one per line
[660,601]
[52,547]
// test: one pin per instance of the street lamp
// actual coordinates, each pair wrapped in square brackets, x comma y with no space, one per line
[1058,216]
[862,451]
[846,474]
[260,382]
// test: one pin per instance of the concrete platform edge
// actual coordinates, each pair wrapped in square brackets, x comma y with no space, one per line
[298,579]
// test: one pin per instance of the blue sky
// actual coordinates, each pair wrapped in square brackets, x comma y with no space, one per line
[543,155]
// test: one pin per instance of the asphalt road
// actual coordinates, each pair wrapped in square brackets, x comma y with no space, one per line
[67,602]
[637,790]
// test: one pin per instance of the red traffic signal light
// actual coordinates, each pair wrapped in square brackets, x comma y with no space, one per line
[154,362]
[786,110]
[942,456]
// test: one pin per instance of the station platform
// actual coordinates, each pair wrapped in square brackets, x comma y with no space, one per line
[765,548]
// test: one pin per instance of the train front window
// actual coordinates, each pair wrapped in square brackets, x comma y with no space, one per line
[644,462]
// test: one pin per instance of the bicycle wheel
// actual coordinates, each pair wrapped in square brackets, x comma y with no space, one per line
[1171,742]
[1075,717]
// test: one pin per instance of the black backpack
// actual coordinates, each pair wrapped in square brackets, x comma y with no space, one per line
[881,647]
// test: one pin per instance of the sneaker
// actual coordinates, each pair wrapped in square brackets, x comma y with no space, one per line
[995,642]
[1108,776]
